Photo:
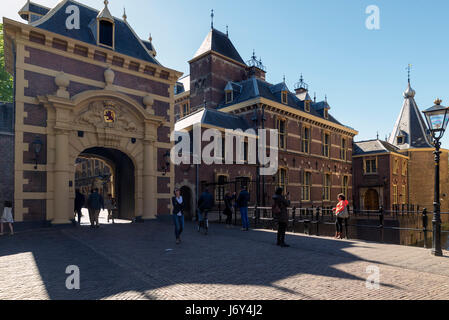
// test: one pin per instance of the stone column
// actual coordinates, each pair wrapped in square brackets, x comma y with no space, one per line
[61,175]
[149,181]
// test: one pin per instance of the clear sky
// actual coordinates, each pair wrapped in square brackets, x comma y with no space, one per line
[363,72]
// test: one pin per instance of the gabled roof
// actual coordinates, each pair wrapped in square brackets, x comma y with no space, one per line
[410,125]
[31,7]
[373,147]
[126,40]
[219,42]
[213,118]
[254,88]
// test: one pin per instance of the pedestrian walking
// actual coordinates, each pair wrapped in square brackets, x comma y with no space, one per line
[95,204]
[280,213]
[342,214]
[178,214]
[242,202]
[80,201]
[7,218]
[205,204]
[110,206]
[228,207]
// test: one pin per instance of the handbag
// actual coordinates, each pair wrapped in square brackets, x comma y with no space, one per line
[344,214]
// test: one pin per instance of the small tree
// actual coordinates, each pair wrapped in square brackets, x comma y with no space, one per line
[6,81]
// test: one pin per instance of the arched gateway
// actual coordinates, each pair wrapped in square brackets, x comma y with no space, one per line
[108,124]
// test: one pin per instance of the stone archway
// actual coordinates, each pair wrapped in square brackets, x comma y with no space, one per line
[99,119]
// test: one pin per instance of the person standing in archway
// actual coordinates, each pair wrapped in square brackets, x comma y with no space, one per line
[95,204]
[178,214]
[79,204]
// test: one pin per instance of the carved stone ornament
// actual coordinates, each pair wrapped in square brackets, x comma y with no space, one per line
[107,114]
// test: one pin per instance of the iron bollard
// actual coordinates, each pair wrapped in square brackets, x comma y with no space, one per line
[381,223]
[425,223]
[307,227]
[318,222]
[293,219]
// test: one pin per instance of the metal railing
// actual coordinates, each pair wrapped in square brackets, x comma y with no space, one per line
[313,221]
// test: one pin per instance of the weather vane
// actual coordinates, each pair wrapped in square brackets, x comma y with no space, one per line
[409,68]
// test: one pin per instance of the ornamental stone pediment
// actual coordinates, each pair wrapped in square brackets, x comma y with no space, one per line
[108,114]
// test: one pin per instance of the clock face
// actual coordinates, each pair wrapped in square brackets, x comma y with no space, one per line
[109,116]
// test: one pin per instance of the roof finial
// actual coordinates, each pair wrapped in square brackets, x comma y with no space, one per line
[409,68]
[314,97]
[124,14]
[325,98]
[150,38]
[106,2]
[377,135]
[284,78]
[212,19]
[227,31]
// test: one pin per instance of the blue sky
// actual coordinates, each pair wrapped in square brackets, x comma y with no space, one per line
[363,72]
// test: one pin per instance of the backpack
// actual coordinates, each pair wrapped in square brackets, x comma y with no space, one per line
[276,210]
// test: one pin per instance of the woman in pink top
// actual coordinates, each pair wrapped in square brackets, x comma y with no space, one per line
[341,212]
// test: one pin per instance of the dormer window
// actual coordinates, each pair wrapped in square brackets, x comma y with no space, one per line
[401,140]
[229,96]
[284,97]
[307,106]
[326,114]
[105,27]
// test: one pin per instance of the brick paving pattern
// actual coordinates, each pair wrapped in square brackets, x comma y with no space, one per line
[142,261]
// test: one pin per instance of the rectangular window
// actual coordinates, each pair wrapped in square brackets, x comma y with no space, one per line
[370,166]
[305,146]
[344,150]
[220,190]
[307,185]
[396,166]
[106,33]
[404,168]
[281,126]
[284,97]
[326,114]
[404,195]
[345,186]
[307,106]
[185,109]
[395,194]
[282,179]
[326,142]
[229,96]
[327,187]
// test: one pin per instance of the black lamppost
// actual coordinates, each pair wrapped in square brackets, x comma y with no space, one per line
[437,119]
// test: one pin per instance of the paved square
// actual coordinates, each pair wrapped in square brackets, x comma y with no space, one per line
[142,261]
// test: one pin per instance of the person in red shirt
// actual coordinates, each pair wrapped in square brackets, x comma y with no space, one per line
[341,213]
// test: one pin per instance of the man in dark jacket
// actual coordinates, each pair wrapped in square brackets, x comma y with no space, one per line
[242,202]
[79,204]
[205,204]
[95,204]
[282,204]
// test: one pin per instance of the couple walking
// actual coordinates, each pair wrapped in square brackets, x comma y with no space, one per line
[241,202]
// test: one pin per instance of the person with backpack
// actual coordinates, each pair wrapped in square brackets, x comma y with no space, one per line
[228,208]
[242,202]
[280,213]
[95,204]
[341,213]
[205,204]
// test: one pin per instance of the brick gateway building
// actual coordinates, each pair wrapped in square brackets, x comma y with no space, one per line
[93,91]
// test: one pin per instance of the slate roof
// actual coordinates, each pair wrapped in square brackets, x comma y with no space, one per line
[254,88]
[182,85]
[219,42]
[373,147]
[126,41]
[214,118]
[410,124]
[32,7]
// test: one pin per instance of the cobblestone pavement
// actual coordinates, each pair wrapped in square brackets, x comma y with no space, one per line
[141,261]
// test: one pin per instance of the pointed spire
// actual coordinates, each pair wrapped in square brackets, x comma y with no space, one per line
[212,15]
[124,14]
[105,13]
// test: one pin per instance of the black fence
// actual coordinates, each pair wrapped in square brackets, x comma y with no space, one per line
[412,228]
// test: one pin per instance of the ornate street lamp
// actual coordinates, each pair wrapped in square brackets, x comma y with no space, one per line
[437,120]
[37,148]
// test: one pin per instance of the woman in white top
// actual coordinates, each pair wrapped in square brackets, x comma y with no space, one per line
[7,217]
